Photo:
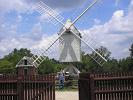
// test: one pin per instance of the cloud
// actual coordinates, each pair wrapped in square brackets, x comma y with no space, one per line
[10,38]
[116,34]
[62,3]
[25,6]
[97,21]
[44,42]
[19,18]
[8,30]
[17,5]
[36,32]
[7,45]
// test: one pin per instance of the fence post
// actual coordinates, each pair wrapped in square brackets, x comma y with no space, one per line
[92,88]
[84,86]
[20,88]
[53,86]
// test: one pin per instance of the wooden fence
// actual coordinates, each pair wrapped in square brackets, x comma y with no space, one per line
[35,87]
[106,86]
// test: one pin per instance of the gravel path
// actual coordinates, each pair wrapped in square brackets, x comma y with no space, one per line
[66,95]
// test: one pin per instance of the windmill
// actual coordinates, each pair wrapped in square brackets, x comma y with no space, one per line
[69,38]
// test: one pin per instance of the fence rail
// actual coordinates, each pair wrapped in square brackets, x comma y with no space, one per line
[35,87]
[106,86]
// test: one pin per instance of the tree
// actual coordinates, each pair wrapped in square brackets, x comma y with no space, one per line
[131,51]
[48,66]
[126,64]
[104,52]
[6,67]
[130,60]
[8,63]
[88,64]
[16,55]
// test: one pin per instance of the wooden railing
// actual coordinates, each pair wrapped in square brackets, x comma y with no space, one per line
[106,86]
[37,87]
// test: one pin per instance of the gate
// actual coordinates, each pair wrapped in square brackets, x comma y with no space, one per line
[106,86]
[35,87]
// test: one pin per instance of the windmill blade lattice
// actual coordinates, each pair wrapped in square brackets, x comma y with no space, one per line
[38,57]
[97,56]
[90,6]
[43,53]
[93,53]
[43,9]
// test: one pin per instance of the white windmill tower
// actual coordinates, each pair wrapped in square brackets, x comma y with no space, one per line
[70,44]
[69,38]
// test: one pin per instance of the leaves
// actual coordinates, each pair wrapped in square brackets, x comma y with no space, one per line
[8,63]
[131,51]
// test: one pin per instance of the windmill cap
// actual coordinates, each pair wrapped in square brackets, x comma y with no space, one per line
[68,24]
[69,20]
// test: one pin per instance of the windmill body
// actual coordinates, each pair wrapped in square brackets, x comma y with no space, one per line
[69,44]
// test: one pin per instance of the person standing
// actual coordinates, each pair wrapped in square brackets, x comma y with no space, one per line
[61,80]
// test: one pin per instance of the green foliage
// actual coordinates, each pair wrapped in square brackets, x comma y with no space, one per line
[16,55]
[90,65]
[49,66]
[46,67]
[8,63]
[111,65]
[131,51]
[6,67]
[126,64]
[104,52]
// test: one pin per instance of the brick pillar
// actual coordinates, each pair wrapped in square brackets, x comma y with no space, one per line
[20,88]
[20,71]
[32,71]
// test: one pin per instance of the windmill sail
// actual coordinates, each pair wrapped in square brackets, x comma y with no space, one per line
[92,43]
[55,17]
[90,6]
[96,55]
[38,59]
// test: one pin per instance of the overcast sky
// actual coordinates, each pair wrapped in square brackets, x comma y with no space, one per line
[109,23]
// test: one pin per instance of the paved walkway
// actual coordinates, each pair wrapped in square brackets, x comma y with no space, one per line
[66,95]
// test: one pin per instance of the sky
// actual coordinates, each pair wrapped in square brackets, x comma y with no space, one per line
[109,23]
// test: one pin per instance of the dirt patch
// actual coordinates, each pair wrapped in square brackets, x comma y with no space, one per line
[67,95]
